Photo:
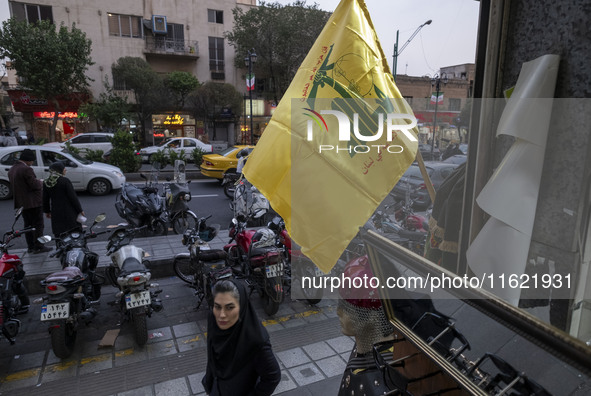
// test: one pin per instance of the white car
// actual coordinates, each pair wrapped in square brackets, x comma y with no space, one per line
[95,177]
[177,144]
[87,141]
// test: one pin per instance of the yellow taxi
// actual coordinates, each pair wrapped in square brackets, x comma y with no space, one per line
[215,165]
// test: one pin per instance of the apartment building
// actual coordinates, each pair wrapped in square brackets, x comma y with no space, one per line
[183,35]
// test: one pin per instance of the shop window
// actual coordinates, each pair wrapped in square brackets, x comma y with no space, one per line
[215,16]
[125,25]
[454,104]
[216,54]
[31,12]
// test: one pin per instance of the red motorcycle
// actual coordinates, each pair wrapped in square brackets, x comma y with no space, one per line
[254,256]
[14,298]
[406,217]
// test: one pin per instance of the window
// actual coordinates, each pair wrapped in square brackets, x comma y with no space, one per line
[101,139]
[49,157]
[189,143]
[125,25]
[454,104]
[31,12]
[215,16]
[11,158]
[216,54]
[82,139]
[408,100]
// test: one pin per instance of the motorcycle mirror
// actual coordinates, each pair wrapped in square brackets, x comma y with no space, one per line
[44,239]
[168,178]
[100,217]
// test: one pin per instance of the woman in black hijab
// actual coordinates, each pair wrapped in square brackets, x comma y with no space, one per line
[60,202]
[240,360]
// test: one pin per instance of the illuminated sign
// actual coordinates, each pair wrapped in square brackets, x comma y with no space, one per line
[51,114]
[158,135]
[174,120]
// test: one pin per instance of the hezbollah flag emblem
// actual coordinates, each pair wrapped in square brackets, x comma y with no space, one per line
[339,140]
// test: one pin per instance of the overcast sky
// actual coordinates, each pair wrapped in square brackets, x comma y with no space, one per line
[449,40]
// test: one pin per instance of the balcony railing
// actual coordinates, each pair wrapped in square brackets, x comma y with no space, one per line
[163,45]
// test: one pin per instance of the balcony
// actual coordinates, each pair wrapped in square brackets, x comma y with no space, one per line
[162,46]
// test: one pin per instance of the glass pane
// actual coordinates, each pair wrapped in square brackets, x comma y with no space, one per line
[114,25]
[136,27]
[18,11]
[32,13]
[125,26]
[211,16]
[46,14]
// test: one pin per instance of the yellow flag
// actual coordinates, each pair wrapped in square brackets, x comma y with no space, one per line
[339,140]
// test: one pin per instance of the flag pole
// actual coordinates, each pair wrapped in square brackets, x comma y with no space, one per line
[425,175]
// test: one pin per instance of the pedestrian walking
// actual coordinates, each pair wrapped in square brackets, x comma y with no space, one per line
[240,360]
[28,194]
[60,202]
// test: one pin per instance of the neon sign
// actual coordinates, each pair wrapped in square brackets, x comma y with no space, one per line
[51,114]
[174,120]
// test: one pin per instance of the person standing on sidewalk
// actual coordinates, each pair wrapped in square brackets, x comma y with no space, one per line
[240,360]
[60,202]
[27,191]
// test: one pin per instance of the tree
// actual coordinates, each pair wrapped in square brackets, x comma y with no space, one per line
[211,98]
[109,110]
[281,37]
[50,61]
[146,84]
[181,84]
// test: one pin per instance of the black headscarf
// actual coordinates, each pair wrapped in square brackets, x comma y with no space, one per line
[228,350]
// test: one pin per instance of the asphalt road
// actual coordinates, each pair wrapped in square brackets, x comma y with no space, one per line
[207,199]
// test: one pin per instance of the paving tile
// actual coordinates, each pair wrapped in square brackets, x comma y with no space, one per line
[18,380]
[341,344]
[319,350]
[306,374]
[161,349]
[195,382]
[124,341]
[191,342]
[177,387]
[293,357]
[185,329]
[26,361]
[332,366]
[286,384]
[92,364]
[129,356]
[144,390]
[59,371]
[159,335]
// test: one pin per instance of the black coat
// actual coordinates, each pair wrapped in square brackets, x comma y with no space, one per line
[26,188]
[63,204]
[258,376]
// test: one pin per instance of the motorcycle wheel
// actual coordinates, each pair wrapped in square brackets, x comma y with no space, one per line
[271,301]
[111,274]
[229,189]
[184,221]
[312,295]
[185,269]
[140,327]
[159,227]
[63,339]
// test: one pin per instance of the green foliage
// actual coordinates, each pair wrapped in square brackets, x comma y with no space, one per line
[72,149]
[51,61]
[109,110]
[159,157]
[94,155]
[281,37]
[123,154]
[198,157]
[181,84]
[209,100]
[173,156]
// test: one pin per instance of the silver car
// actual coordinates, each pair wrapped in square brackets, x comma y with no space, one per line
[95,177]
[186,144]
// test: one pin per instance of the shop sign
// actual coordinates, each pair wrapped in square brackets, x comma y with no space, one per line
[174,120]
[51,114]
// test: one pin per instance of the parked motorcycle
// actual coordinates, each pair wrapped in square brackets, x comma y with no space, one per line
[71,292]
[253,255]
[229,183]
[201,267]
[297,265]
[14,298]
[127,271]
[176,196]
[142,206]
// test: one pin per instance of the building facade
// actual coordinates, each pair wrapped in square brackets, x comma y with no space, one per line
[180,35]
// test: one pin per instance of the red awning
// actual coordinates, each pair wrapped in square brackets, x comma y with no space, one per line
[24,102]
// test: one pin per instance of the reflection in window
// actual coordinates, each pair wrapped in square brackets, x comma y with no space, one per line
[215,16]
[216,54]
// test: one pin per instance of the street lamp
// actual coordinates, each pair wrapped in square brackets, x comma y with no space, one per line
[398,52]
[436,82]
[249,60]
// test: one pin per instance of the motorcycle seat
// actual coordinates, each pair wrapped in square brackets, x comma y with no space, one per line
[262,251]
[67,273]
[131,265]
[132,191]
[212,255]
[412,235]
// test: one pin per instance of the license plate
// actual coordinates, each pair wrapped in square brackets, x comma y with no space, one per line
[134,300]
[274,270]
[55,311]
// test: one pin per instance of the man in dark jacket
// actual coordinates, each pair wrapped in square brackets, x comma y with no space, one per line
[27,191]
[60,202]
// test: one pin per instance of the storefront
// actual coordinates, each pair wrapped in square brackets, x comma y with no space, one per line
[176,125]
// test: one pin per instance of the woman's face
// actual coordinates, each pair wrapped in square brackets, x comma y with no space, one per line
[226,310]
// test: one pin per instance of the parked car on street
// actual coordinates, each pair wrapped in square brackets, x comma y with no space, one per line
[425,150]
[216,165]
[177,144]
[95,177]
[413,180]
[87,141]
[457,159]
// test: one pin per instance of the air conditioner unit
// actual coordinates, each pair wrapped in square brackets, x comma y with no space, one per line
[159,24]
